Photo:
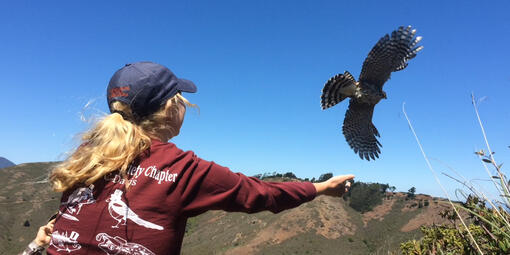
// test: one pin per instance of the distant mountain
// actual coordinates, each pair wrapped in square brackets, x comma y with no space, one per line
[326,225]
[5,162]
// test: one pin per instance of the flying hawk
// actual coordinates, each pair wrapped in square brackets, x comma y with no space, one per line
[390,54]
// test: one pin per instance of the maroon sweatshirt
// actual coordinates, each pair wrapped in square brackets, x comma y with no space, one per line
[167,186]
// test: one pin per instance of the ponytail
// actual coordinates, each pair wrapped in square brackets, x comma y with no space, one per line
[111,145]
[114,142]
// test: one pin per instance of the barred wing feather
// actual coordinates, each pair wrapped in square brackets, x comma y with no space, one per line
[390,54]
[359,131]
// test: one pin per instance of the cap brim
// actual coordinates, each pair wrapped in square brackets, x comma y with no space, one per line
[186,86]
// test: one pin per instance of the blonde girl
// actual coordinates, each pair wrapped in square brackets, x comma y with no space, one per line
[127,190]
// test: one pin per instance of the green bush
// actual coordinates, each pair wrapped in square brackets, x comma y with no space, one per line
[290,175]
[410,193]
[363,197]
[325,177]
[453,238]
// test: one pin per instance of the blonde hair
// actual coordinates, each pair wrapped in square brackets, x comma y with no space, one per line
[114,142]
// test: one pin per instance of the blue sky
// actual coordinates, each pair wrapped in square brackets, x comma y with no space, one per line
[260,67]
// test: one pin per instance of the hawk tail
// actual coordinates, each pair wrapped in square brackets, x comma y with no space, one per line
[337,88]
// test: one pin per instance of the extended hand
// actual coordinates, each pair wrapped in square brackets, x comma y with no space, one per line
[43,237]
[336,186]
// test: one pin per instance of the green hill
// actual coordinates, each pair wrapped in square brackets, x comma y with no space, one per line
[26,202]
[324,226]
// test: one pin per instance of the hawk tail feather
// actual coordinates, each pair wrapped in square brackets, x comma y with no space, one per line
[337,88]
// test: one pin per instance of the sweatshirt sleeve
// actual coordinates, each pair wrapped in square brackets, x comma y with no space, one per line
[210,186]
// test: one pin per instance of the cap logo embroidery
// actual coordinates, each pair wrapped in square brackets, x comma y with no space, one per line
[119,92]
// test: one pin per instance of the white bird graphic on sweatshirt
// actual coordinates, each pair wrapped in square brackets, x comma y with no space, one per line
[121,212]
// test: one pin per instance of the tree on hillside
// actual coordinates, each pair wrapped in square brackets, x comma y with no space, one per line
[363,197]
[325,177]
[410,193]
[290,175]
[275,174]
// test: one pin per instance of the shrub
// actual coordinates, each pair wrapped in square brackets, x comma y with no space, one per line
[363,197]
[325,177]
[290,175]
[410,193]
[488,229]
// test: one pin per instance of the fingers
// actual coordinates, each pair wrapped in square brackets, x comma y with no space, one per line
[48,230]
[51,225]
[347,177]
[43,237]
[336,186]
[347,187]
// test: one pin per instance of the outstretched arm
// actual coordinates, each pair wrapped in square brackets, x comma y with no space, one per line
[208,186]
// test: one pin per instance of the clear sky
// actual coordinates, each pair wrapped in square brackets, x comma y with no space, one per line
[260,67]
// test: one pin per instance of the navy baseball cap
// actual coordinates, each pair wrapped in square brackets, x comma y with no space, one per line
[145,86]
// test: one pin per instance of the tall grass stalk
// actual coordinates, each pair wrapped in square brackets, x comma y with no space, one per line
[438,181]
[479,193]
[502,179]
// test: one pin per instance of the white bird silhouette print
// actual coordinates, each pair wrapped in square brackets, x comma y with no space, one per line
[121,212]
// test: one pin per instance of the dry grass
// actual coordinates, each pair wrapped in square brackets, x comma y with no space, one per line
[491,224]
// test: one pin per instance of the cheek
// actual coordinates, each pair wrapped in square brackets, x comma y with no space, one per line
[182,112]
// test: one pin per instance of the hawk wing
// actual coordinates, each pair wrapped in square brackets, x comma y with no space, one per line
[337,89]
[390,54]
[359,131]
